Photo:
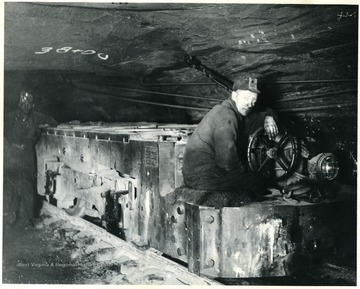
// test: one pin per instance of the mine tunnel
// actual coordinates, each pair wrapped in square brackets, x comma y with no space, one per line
[100,104]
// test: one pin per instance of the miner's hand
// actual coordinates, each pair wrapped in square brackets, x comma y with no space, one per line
[271,128]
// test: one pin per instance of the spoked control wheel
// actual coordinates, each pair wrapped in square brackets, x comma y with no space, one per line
[274,159]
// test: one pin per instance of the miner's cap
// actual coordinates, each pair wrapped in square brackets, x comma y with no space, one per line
[26,96]
[247,83]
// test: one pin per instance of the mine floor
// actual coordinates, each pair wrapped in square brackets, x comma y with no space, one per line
[55,251]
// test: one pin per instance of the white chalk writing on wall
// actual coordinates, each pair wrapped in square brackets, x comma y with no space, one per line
[345,15]
[67,49]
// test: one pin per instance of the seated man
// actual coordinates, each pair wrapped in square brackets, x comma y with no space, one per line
[215,154]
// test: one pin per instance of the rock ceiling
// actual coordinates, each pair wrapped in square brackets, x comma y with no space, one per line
[106,46]
[150,40]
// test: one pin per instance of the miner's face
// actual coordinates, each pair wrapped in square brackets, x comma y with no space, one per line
[245,100]
[26,103]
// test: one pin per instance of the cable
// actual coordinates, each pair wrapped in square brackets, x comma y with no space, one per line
[314,95]
[144,101]
[313,81]
[178,84]
[316,107]
[166,94]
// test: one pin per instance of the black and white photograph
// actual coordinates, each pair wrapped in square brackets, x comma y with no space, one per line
[183,143]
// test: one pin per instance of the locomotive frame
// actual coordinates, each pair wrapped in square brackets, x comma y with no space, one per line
[129,175]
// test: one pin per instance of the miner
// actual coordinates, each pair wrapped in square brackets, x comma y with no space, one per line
[21,131]
[215,154]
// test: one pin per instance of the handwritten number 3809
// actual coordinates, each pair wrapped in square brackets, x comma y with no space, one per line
[101,55]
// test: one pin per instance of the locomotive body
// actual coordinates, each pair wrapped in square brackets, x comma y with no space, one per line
[128,175]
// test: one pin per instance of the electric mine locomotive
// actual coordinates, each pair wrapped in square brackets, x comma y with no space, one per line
[128,176]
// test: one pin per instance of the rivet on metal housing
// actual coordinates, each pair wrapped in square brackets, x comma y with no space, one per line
[210,263]
[180,251]
[209,219]
[180,210]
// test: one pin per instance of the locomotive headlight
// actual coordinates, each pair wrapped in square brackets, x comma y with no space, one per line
[324,167]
